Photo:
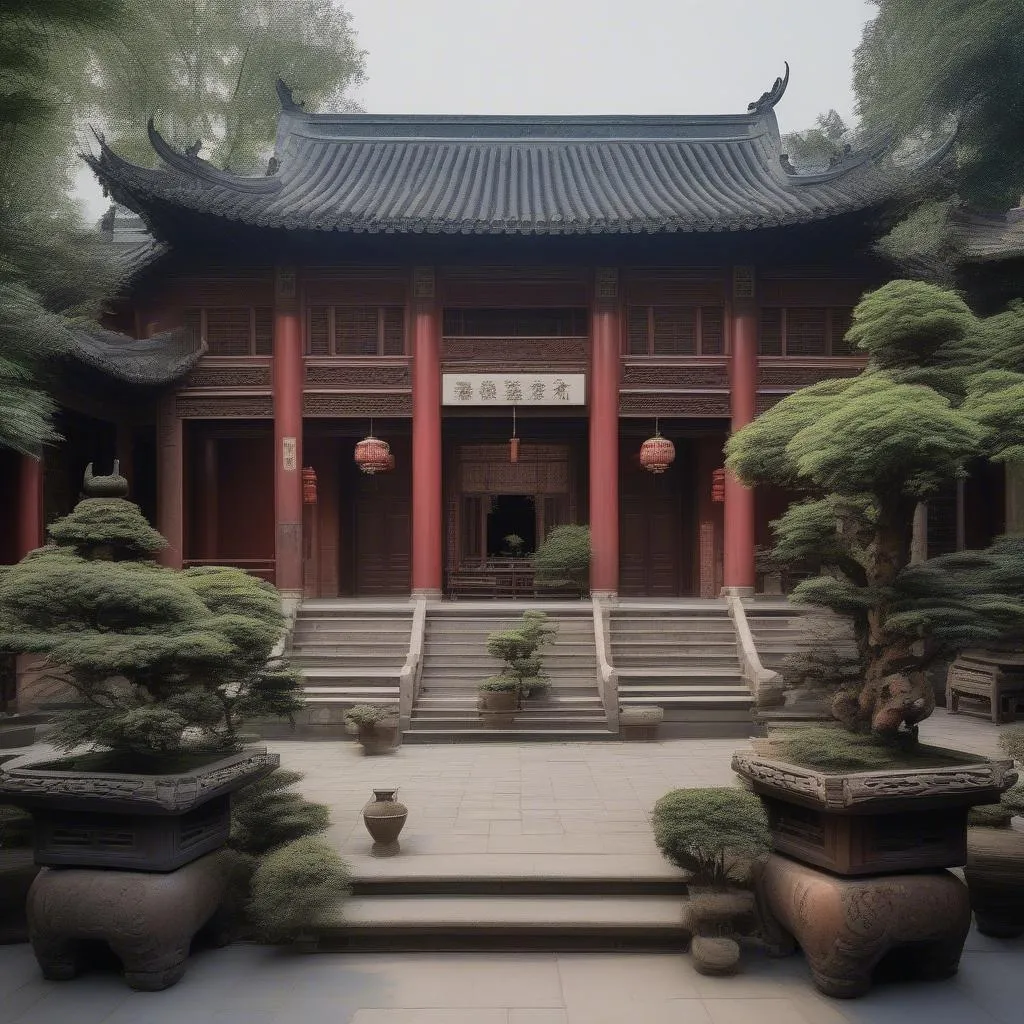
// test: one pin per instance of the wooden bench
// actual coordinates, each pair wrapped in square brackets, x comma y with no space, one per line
[991,676]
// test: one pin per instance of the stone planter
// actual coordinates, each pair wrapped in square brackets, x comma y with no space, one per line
[862,823]
[716,918]
[995,879]
[130,821]
[385,818]
[640,724]
[498,708]
[379,737]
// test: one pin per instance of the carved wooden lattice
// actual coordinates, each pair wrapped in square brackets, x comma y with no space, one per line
[366,404]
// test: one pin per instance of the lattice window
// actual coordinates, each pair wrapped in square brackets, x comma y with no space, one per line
[769,339]
[638,331]
[263,331]
[806,331]
[356,331]
[393,331]
[515,323]
[229,331]
[675,330]
[712,331]
[233,330]
[841,320]
[193,323]
[319,338]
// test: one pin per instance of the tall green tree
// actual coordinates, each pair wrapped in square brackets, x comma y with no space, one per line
[942,388]
[52,274]
[206,70]
[817,146]
[924,64]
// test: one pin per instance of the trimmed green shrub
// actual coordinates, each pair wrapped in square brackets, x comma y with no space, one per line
[164,661]
[563,560]
[267,814]
[713,833]
[519,648]
[836,750]
[499,684]
[295,886]
[363,715]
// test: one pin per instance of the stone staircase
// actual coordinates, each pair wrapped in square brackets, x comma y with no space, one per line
[682,658]
[349,653]
[778,630]
[455,662]
[549,910]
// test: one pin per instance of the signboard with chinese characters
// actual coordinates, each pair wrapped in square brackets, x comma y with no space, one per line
[513,389]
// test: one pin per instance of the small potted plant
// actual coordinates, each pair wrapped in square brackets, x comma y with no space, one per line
[499,701]
[514,545]
[995,856]
[521,674]
[562,562]
[640,723]
[720,836]
[375,726]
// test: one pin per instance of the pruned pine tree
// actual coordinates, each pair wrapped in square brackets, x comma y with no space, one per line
[864,452]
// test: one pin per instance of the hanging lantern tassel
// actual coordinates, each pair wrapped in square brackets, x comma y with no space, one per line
[657,453]
[308,486]
[513,445]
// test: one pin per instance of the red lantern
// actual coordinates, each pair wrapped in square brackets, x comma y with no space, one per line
[308,486]
[513,449]
[718,485]
[374,456]
[657,454]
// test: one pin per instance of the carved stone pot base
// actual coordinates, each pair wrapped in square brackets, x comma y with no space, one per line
[147,920]
[846,926]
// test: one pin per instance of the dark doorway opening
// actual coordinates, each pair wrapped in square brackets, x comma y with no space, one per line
[511,515]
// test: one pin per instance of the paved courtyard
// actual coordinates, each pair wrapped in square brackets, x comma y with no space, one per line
[531,808]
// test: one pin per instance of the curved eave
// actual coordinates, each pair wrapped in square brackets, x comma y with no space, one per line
[144,363]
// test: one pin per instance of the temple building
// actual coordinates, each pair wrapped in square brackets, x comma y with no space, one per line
[514,305]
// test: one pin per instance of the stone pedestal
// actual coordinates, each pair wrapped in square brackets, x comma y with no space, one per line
[148,920]
[845,926]
[995,877]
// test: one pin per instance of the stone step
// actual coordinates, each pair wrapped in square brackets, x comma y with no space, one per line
[679,673]
[513,734]
[456,723]
[343,659]
[470,697]
[549,875]
[627,659]
[688,700]
[347,694]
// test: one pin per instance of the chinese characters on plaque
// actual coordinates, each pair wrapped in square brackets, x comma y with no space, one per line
[514,389]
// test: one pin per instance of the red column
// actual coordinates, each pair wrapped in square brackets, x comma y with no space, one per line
[426,438]
[288,374]
[170,483]
[739,500]
[604,437]
[30,505]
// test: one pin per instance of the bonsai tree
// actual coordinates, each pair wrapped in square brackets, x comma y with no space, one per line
[514,545]
[563,560]
[942,388]
[719,836]
[519,648]
[162,661]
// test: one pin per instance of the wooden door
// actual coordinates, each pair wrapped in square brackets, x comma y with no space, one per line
[651,531]
[382,534]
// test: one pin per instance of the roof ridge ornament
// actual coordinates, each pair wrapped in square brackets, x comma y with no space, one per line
[288,101]
[767,100]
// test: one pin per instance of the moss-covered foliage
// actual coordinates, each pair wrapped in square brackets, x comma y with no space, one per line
[837,750]
[520,650]
[942,388]
[563,561]
[161,659]
[295,886]
[1011,803]
[713,833]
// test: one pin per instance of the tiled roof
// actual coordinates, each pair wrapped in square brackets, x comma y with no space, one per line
[146,362]
[515,175]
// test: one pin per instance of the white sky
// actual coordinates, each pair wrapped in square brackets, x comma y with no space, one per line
[601,56]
